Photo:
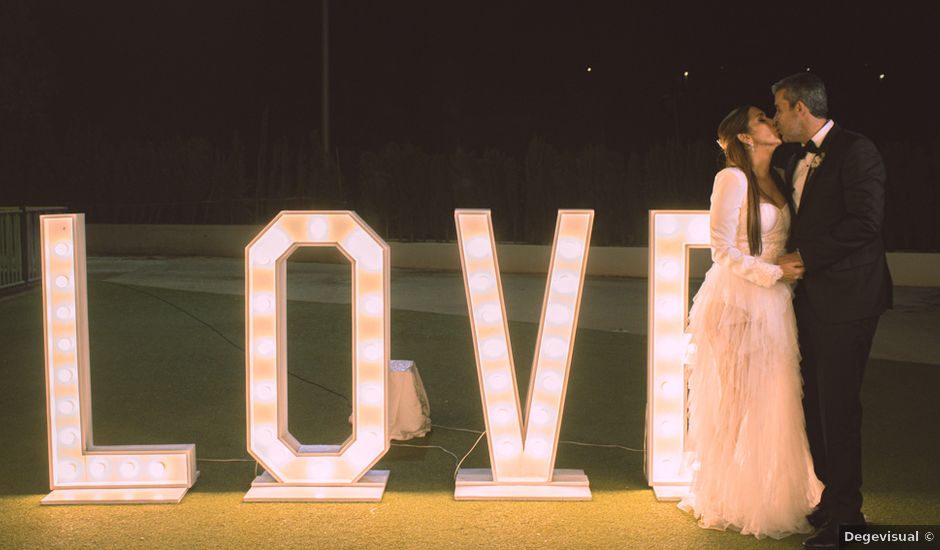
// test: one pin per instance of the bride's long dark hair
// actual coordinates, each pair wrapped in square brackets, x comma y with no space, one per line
[736,155]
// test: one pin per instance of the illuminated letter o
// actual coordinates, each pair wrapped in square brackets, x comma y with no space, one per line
[269,441]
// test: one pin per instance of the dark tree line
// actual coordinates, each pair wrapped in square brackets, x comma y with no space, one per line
[408,193]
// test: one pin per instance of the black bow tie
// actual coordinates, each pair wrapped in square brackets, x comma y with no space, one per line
[809,147]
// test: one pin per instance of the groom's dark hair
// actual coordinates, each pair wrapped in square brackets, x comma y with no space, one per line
[805,87]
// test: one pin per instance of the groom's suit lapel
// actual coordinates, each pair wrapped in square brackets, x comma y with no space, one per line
[783,163]
[788,178]
[813,173]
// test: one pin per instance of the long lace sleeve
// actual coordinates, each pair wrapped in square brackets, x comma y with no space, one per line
[727,200]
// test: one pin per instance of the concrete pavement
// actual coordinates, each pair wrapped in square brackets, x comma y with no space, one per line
[910,332]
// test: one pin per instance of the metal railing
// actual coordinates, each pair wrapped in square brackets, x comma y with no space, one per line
[19,243]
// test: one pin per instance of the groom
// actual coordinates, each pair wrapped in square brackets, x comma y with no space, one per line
[836,191]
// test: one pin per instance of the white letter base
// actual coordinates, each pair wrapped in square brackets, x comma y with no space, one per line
[671,492]
[478,484]
[117,495]
[369,488]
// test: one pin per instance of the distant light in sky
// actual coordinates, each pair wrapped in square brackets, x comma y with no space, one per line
[881,76]
[686,74]
[807,69]
[589,69]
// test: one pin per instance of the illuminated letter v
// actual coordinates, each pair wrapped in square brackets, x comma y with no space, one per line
[522,451]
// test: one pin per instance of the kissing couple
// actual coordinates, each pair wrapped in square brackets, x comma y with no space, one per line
[784,321]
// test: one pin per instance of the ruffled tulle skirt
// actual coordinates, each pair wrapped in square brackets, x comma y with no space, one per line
[747,447]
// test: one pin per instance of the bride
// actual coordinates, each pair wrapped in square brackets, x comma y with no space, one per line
[746,446]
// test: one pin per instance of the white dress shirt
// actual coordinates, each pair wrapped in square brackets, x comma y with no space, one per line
[802,167]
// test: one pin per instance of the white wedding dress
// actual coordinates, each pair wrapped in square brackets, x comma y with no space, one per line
[747,447]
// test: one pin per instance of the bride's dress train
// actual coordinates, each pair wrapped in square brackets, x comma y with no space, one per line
[747,447]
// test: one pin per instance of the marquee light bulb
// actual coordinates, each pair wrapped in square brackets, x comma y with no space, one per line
[64,375]
[501,414]
[364,250]
[668,269]
[68,437]
[372,394]
[373,305]
[275,241]
[478,247]
[69,470]
[538,447]
[666,227]
[670,388]
[498,381]
[98,468]
[555,348]
[263,303]
[541,415]
[266,434]
[156,469]
[318,228]
[699,230]
[481,282]
[570,249]
[266,347]
[565,283]
[494,348]
[670,427]
[489,314]
[372,351]
[128,469]
[551,382]
[507,448]
[559,314]
[669,305]
[265,392]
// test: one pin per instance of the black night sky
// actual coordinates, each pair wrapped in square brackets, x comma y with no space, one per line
[210,101]
[476,74]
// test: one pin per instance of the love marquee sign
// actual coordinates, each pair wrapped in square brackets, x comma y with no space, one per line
[522,442]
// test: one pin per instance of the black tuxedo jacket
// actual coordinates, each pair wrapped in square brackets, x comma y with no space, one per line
[838,228]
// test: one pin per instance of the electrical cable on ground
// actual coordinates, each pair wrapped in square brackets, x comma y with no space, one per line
[457,469]
[426,447]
